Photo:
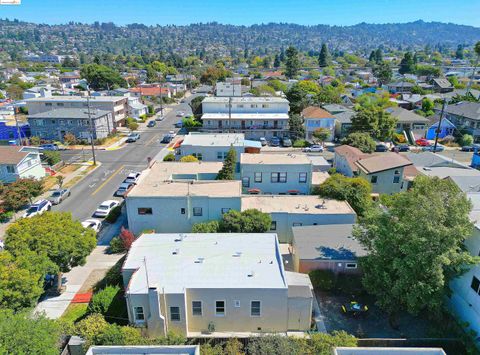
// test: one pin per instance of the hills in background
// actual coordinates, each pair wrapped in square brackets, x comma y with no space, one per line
[225,39]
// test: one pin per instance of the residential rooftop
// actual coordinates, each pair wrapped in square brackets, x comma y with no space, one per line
[465,109]
[218,140]
[175,262]
[382,162]
[274,159]
[327,242]
[245,116]
[184,179]
[312,112]
[144,350]
[76,99]
[301,204]
[72,113]
[389,351]
[406,116]
[11,155]
[240,100]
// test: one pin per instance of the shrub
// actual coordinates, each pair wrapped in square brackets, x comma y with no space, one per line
[51,157]
[301,143]
[69,139]
[399,138]
[34,140]
[362,141]
[114,214]
[127,238]
[101,301]
[169,157]
[188,159]
[466,139]
[206,227]
[150,109]
[116,246]
[322,279]
[332,171]
[349,283]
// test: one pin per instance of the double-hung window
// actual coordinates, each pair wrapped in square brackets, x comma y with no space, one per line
[302,178]
[246,181]
[258,177]
[197,308]
[219,308]
[175,314]
[255,309]
[197,211]
[138,313]
[279,177]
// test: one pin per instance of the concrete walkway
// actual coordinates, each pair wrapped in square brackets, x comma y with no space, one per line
[53,307]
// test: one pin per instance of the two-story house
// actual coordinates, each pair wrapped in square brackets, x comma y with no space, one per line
[116,105]
[464,115]
[316,117]
[214,284]
[18,163]
[256,117]
[81,122]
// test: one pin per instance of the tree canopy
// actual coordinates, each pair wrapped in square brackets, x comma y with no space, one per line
[407,65]
[416,246]
[227,172]
[324,57]
[101,77]
[292,62]
[374,121]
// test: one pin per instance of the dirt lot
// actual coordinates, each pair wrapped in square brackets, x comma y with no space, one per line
[374,325]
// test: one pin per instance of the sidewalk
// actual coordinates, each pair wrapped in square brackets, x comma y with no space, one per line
[75,176]
[55,306]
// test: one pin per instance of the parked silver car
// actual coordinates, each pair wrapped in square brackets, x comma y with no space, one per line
[59,195]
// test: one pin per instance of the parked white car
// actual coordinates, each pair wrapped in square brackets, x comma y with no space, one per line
[105,207]
[38,208]
[94,224]
[314,148]
[132,178]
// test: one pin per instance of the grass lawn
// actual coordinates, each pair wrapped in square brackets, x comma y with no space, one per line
[75,312]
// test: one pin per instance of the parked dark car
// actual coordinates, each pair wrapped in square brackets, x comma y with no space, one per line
[401,148]
[275,142]
[166,138]
[151,123]
[286,142]
[381,148]
[179,124]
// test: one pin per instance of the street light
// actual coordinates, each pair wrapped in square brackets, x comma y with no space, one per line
[91,125]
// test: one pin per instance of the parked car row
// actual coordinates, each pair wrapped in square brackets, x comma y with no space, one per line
[168,137]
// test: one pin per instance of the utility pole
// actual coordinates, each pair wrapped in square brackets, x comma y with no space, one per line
[91,126]
[16,123]
[437,132]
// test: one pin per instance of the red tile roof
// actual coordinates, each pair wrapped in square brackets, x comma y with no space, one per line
[149,90]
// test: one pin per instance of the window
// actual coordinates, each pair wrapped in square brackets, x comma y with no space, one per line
[48,104]
[279,177]
[273,226]
[53,122]
[351,265]
[302,178]
[60,104]
[197,308]
[258,177]
[373,179]
[225,210]
[475,284]
[219,308]
[197,211]
[245,181]
[221,155]
[255,309]
[182,210]
[297,224]
[396,179]
[236,303]
[145,210]
[199,156]
[62,122]
[138,313]
[11,169]
[175,314]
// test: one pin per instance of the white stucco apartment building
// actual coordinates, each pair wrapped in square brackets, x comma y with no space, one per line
[213,285]
[276,173]
[254,116]
[172,197]
[18,163]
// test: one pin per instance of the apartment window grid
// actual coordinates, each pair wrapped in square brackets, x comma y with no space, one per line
[197,211]
[302,178]
[220,308]
[197,308]
[258,177]
[255,308]
[279,178]
[175,314]
[138,313]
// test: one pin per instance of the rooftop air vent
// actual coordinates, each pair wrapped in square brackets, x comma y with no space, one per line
[237,254]
[199,261]
[176,252]
[251,274]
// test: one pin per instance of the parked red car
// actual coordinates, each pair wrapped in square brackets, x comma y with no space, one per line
[422,142]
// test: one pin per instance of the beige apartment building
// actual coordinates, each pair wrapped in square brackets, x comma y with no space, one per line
[214,285]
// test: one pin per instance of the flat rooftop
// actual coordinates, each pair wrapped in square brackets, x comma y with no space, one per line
[145,350]
[274,159]
[176,262]
[215,139]
[72,113]
[301,204]
[76,99]
[389,351]
[184,179]
[327,242]
[245,116]
[240,100]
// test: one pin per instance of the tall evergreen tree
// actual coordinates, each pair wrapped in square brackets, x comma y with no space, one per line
[407,65]
[228,170]
[324,56]
[276,62]
[292,62]
[372,57]
[378,56]
[459,52]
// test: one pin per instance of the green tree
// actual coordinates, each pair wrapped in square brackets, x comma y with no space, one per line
[428,106]
[428,70]
[169,157]
[416,247]
[383,72]
[329,94]
[360,140]
[103,299]
[356,191]
[54,234]
[378,56]
[276,62]
[322,134]
[101,77]
[466,139]
[206,227]
[227,172]
[196,106]
[459,53]
[292,63]
[248,221]
[301,95]
[407,66]
[276,344]
[52,157]
[323,343]
[188,159]
[375,121]
[22,334]
[296,128]
[324,57]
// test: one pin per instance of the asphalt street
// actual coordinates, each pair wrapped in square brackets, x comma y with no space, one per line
[101,184]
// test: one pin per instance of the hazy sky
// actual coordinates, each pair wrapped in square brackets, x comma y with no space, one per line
[245,12]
